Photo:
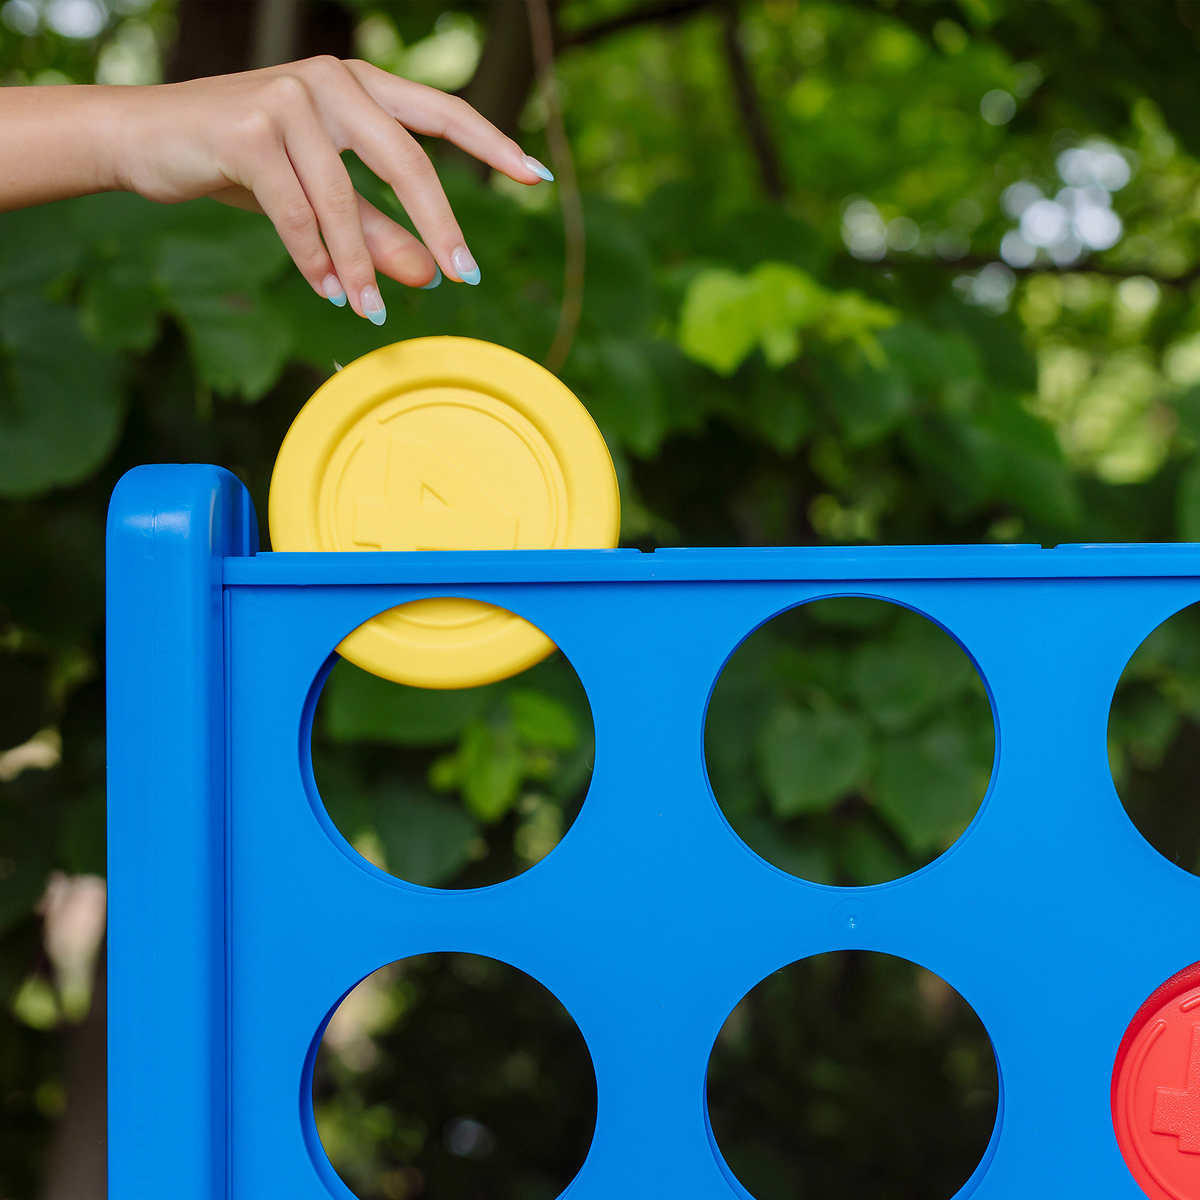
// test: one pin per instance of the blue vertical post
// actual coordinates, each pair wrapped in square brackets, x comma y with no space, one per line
[169,531]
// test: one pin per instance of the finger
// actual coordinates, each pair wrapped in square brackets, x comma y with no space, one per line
[267,183]
[395,251]
[428,111]
[395,156]
[330,192]
[400,161]
[286,206]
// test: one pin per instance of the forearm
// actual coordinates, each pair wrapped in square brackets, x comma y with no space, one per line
[56,142]
[270,139]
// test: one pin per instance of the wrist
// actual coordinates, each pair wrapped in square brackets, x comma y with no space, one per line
[62,141]
[110,114]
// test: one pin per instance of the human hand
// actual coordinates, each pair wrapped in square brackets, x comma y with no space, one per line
[271,140]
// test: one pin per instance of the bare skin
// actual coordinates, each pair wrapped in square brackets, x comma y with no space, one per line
[271,141]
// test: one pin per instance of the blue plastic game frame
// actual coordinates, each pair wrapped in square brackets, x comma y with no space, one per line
[239,916]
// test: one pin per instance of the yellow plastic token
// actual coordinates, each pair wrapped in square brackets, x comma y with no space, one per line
[443,443]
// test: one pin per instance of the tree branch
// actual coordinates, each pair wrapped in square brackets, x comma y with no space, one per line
[275,32]
[973,262]
[541,38]
[506,71]
[754,120]
[663,12]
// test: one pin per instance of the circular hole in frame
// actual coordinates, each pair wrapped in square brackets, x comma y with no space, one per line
[453,788]
[453,1075]
[853,1073]
[849,741]
[1154,738]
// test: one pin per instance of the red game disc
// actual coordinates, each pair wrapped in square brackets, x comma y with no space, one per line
[1156,1091]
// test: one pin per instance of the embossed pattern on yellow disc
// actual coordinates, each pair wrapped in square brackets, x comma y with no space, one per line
[443,443]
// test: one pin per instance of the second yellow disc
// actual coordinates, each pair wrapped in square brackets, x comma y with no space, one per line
[443,443]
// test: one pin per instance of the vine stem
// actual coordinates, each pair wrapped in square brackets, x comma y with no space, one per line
[541,32]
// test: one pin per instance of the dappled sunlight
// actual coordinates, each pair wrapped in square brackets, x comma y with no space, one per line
[444,58]
[1109,414]
[1078,218]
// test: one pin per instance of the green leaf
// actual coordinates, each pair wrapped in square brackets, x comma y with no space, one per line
[240,342]
[121,298]
[620,282]
[777,409]
[1005,358]
[859,613]
[929,785]
[622,386]
[851,317]
[951,454]
[725,316]
[901,679]
[930,360]
[865,857]
[803,852]
[1026,466]
[357,706]
[239,252]
[809,669]
[214,278]
[542,721]
[445,773]
[1173,647]
[119,305]
[61,403]
[1182,688]
[734,719]
[425,840]
[808,760]
[491,767]
[346,789]
[1187,406]
[1143,724]
[716,326]
[868,402]
[322,335]
[50,247]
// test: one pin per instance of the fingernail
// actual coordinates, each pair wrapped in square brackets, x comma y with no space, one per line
[465,266]
[437,278]
[372,306]
[333,290]
[539,169]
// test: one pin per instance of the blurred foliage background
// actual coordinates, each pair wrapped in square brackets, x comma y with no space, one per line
[901,271]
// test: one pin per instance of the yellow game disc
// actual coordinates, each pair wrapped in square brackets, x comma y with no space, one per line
[443,443]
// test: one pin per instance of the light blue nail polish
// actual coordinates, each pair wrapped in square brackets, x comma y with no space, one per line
[437,278]
[539,169]
[333,291]
[464,265]
[372,306]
